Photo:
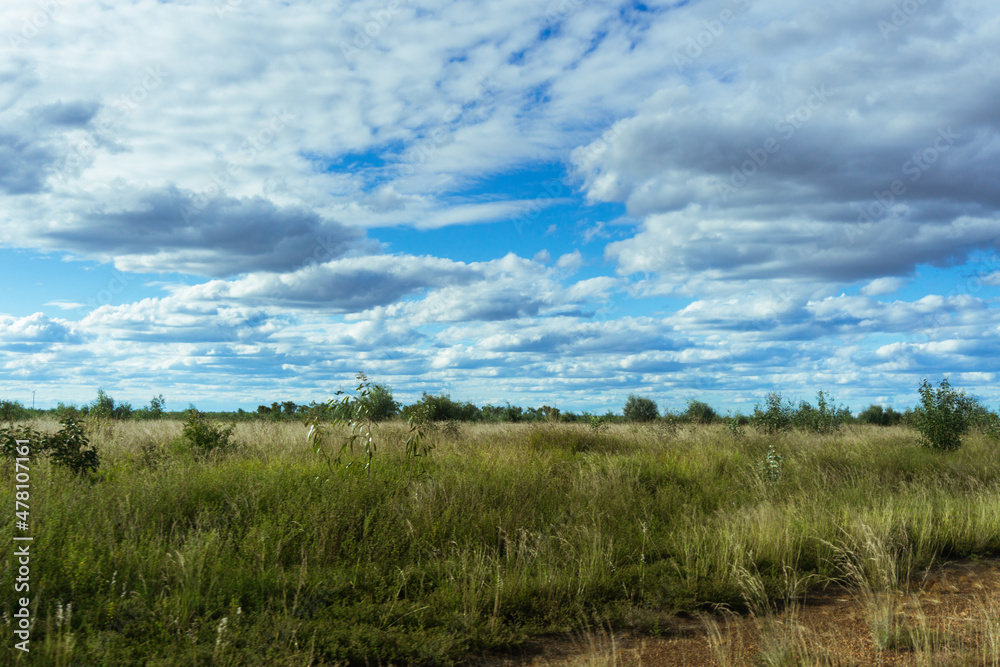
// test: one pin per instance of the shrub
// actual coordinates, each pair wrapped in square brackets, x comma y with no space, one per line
[442,408]
[825,418]
[156,406]
[69,447]
[12,411]
[700,413]
[598,423]
[879,416]
[380,404]
[770,467]
[205,437]
[640,409]
[943,415]
[103,405]
[776,417]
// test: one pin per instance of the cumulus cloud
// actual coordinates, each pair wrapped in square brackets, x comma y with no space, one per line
[764,180]
[823,163]
[880,286]
[172,230]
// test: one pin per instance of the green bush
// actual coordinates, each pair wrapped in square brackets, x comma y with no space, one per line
[381,406]
[640,409]
[69,447]
[206,438]
[776,417]
[943,416]
[12,411]
[825,418]
[879,416]
[700,413]
[442,409]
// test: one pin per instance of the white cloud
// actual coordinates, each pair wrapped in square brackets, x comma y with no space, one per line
[881,286]
[570,262]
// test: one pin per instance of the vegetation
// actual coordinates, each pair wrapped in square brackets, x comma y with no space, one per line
[69,447]
[880,416]
[205,437]
[640,409]
[699,412]
[943,417]
[265,553]
[775,416]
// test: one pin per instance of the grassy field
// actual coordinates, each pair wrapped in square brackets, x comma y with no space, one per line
[265,556]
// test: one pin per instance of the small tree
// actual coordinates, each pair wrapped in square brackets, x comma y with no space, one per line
[103,405]
[879,416]
[640,409]
[825,418]
[206,438]
[943,415]
[776,417]
[381,406]
[156,406]
[12,411]
[700,413]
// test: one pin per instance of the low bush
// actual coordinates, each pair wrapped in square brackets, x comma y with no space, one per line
[640,409]
[700,413]
[775,417]
[879,416]
[943,417]
[69,447]
[206,438]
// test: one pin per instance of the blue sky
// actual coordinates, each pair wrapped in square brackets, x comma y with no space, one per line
[231,202]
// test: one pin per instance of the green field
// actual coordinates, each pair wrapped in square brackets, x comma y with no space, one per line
[267,555]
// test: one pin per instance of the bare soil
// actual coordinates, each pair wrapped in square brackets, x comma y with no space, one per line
[949,616]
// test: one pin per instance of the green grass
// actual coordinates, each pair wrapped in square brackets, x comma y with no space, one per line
[262,557]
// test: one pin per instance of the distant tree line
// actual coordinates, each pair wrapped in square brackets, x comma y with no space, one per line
[773,415]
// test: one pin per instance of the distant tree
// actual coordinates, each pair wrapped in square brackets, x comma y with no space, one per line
[640,409]
[777,416]
[879,416]
[103,405]
[156,406]
[122,411]
[381,405]
[699,412]
[289,408]
[442,408]
[12,411]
